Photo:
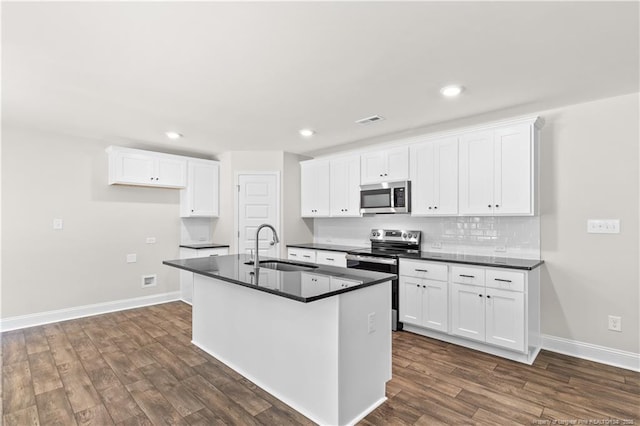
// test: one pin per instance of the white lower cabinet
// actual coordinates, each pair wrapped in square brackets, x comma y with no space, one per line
[331,258]
[496,310]
[303,255]
[186,277]
[423,301]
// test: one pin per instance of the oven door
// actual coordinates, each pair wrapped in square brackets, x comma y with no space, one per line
[380,264]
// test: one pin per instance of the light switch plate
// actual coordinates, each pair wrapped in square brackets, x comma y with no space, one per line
[603,226]
[57,224]
[132,258]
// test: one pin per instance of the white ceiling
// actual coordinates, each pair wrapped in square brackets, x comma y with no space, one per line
[247,76]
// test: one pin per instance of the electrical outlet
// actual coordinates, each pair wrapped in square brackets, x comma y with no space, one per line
[371,322]
[615,323]
[603,226]
[501,249]
[151,240]
[132,258]
[436,245]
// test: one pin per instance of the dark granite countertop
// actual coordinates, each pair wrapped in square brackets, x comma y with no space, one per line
[327,247]
[294,285]
[204,246]
[468,259]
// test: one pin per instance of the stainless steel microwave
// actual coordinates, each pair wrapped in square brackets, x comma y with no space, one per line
[387,197]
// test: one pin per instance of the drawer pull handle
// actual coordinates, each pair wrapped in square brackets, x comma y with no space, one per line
[293,255]
[421,270]
[331,259]
[468,276]
[501,280]
[307,256]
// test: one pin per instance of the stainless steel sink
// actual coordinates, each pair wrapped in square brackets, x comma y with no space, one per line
[279,265]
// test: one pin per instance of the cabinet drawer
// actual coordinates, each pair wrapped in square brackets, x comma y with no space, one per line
[505,280]
[332,258]
[302,255]
[427,270]
[464,275]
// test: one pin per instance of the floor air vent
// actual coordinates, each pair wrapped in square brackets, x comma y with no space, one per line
[149,280]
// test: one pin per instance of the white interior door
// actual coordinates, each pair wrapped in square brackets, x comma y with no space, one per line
[258,201]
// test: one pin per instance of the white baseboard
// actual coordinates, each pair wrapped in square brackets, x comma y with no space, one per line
[31,320]
[591,352]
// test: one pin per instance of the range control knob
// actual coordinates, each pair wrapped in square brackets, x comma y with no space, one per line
[404,235]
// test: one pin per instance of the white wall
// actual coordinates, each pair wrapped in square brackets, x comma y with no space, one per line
[46,176]
[590,169]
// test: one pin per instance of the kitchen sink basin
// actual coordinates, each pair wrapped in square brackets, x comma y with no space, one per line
[279,265]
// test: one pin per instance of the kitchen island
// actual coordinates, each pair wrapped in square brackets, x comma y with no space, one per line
[319,339]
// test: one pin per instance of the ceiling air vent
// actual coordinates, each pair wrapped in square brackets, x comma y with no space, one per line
[369,120]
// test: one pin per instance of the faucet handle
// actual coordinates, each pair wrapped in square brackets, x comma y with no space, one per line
[251,255]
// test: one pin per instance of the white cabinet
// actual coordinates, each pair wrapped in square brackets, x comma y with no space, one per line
[434,178]
[314,188]
[186,277]
[493,312]
[313,284]
[344,177]
[497,171]
[385,165]
[129,166]
[200,197]
[303,255]
[424,294]
[340,283]
[331,258]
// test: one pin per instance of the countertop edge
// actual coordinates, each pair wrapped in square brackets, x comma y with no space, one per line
[205,246]
[310,246]
[277,293]
[477,263]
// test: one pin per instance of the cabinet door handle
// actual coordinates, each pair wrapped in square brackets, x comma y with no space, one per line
[421,270]
[308,257]
[331,259]
[497,205]
[488,297]
[501,280]
[429,207]
[436,207]
[489,205]
[467,276]
[424,286]
[293,255]
[151,178]
[418,285]
[479,295]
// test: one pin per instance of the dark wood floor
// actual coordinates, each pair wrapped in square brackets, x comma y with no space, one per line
[139,367]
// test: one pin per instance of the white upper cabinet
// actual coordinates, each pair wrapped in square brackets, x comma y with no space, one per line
[314,188]
[434,177]
[201,196]
[497,171]
[385,165]
[129,166]
[344,179]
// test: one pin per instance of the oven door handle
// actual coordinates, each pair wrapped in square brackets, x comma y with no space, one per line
[371,259]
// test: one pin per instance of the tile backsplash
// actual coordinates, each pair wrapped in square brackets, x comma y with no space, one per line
[515,236]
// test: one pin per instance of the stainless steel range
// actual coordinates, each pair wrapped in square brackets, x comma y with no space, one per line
[386,245]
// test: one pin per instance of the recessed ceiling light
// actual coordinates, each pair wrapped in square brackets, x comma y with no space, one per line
[451,91]
[307,133]
[173,135]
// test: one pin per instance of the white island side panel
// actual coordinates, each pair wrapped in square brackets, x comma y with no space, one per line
[317,357]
